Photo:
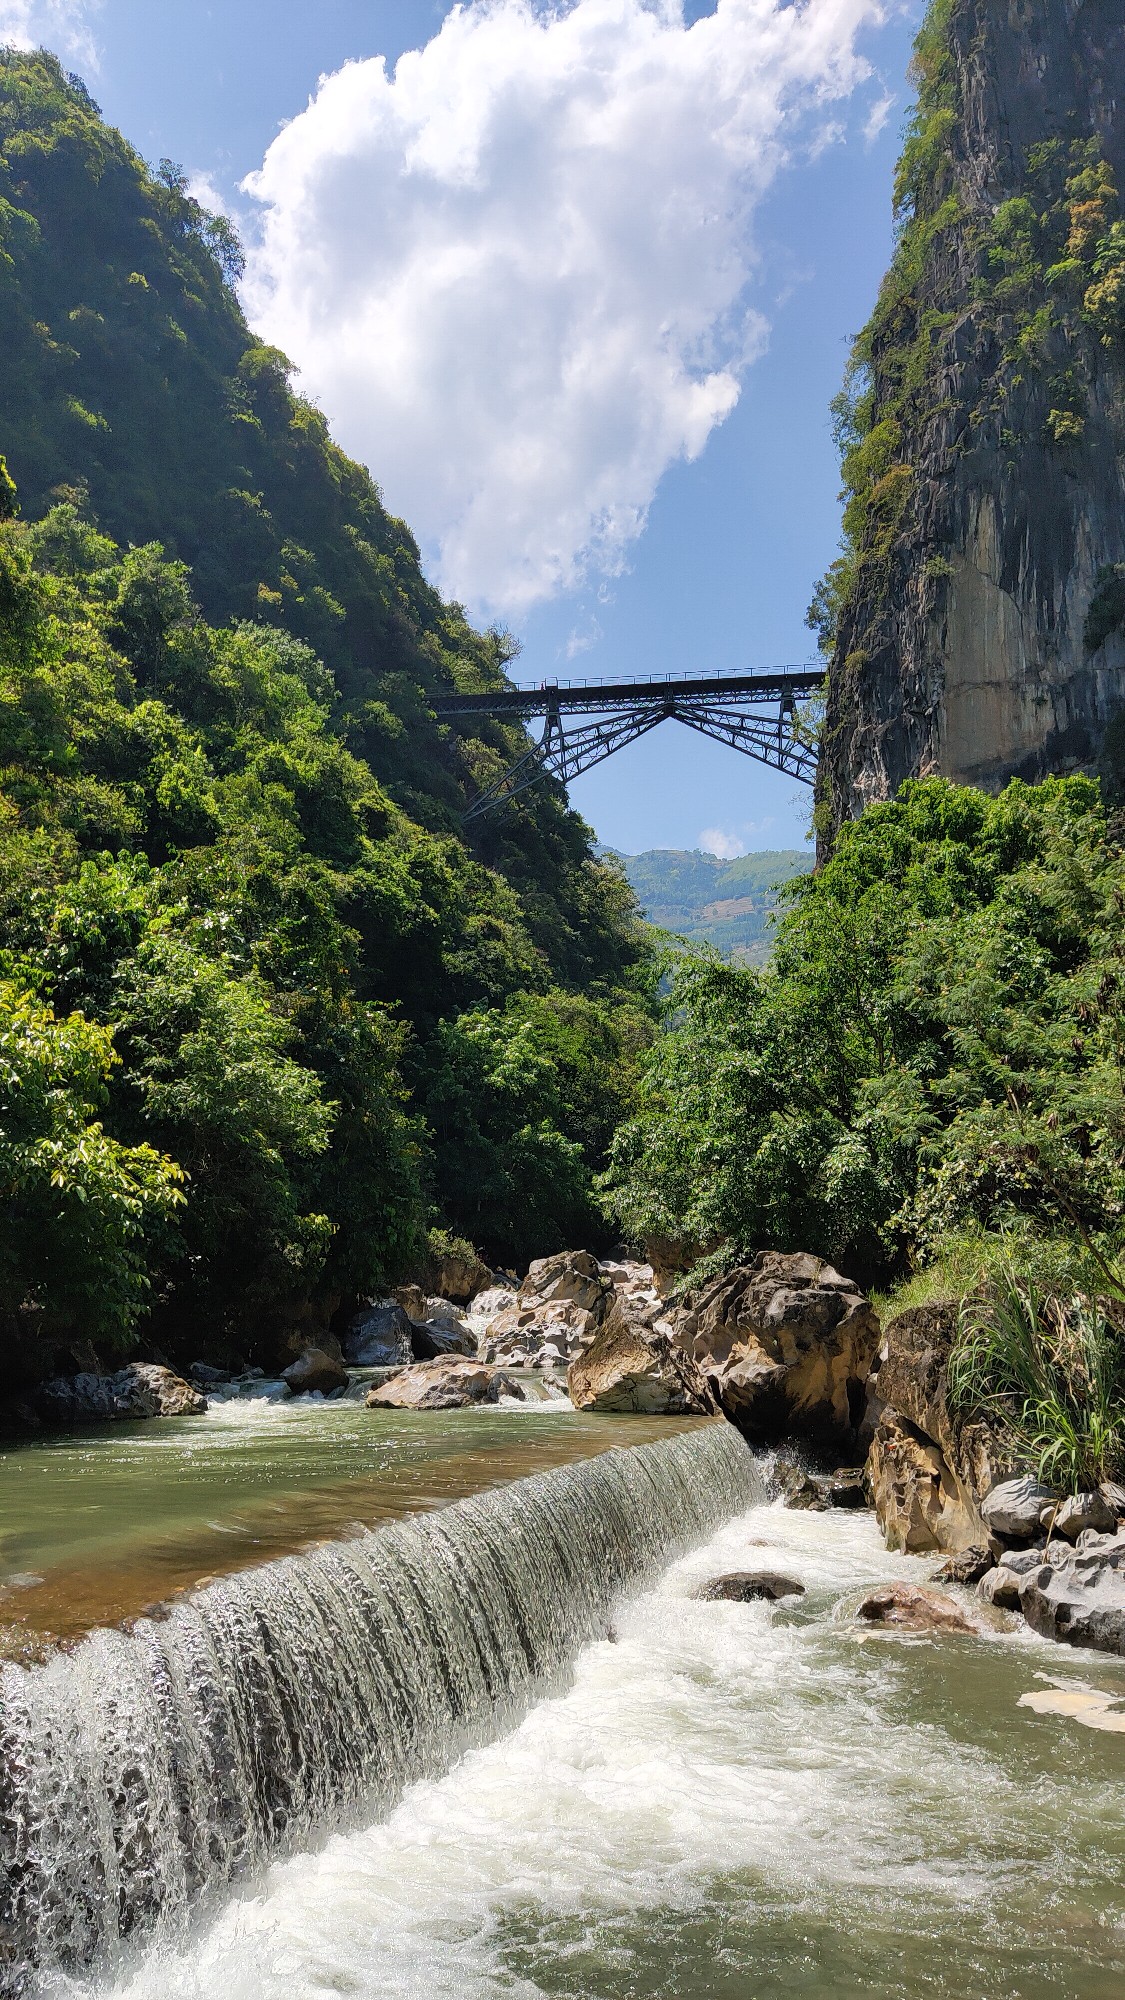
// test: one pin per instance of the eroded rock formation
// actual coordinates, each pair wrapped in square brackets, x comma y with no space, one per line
[979,616]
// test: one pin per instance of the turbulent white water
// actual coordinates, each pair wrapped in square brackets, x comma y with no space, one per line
[729,1802]
[148,1768]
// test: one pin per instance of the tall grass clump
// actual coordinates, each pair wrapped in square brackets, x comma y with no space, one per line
[1048,1373]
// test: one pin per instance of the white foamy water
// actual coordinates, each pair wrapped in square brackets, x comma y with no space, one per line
[729,1802]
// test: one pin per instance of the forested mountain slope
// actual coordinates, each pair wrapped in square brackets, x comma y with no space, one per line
[727,904]
[264,1014]
[977,615]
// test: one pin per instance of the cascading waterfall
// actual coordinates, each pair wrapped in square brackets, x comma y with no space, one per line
[151,1765]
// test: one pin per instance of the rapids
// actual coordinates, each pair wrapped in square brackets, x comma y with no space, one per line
[727,1802]
[151,1767]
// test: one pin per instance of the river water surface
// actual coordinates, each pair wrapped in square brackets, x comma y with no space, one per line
[97,1525]
[723,1802]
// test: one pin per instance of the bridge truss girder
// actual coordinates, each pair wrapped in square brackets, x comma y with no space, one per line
[764,729]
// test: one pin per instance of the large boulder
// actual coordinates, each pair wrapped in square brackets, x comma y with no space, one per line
[440,1328]
[1083,1513]
[630,1366]
[1079,1596]
[913,1607]
[928,1468]
[918,1500]
[570,1276]
[449,1382]
[459,1275]
[1013,1508]
[314,1371]
[141,1389]
[787,1343]
[379,1336]
[560,1306]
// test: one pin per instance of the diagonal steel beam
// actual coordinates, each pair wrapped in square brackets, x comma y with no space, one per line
[754,714]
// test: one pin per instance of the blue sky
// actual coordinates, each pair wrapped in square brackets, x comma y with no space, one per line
[729,312]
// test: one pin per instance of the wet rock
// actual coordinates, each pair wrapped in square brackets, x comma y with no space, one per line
[912,1607]
[441,1329]
[744,1586]
[314,1371]
[817,1491]
[968,1567]
[1079,1597]
[379,1336]
[1000,1586]
[628,1366]
[450,1382]
[1080,1511]
[203,1373]
[1013,1508]
[141,1389]
[787,1343]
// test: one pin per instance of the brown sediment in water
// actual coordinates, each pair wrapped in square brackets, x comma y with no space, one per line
[59,1598]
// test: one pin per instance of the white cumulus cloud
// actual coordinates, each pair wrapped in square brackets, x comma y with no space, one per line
[62,25]
[514,269]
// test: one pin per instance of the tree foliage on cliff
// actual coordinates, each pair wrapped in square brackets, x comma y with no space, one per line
[268,1014]
[939,1043]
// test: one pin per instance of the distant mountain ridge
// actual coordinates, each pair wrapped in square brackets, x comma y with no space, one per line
[727,904]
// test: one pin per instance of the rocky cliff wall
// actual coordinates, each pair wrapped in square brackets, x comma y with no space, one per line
[977,615]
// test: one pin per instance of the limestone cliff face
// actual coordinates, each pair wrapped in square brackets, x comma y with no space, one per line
[979,620]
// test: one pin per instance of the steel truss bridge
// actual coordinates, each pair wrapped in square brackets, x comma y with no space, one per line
[754,713]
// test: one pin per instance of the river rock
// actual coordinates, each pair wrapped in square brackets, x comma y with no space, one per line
[379,1336]
[440,1328]
[968,1567]
[448,1383]
[1079,1597]
[460,1275]
[787,1343]
[1080,1511]
[572,1277]
[744,1586]
[628,1366]
[207,1376]
[928,1467]
[140,1389]
[917,1499]
[1013,1507]
[314,1370]
[913,1607]
[817,1491]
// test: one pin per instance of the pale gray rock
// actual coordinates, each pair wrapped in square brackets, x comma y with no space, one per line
[1079,1598]
[140,1389]
[1013,1507]
[1081,1511]
[1001,1587]
[450,1382]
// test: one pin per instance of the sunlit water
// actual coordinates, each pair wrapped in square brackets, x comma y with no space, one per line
[97,1525]
[725,1802]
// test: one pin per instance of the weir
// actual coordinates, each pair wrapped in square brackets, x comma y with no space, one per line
[151,1766]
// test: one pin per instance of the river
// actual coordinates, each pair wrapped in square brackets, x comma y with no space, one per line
[710,1801]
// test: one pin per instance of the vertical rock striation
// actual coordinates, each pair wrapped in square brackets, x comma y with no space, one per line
[977,613]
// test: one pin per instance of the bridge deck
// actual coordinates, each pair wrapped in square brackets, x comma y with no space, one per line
[779,683]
